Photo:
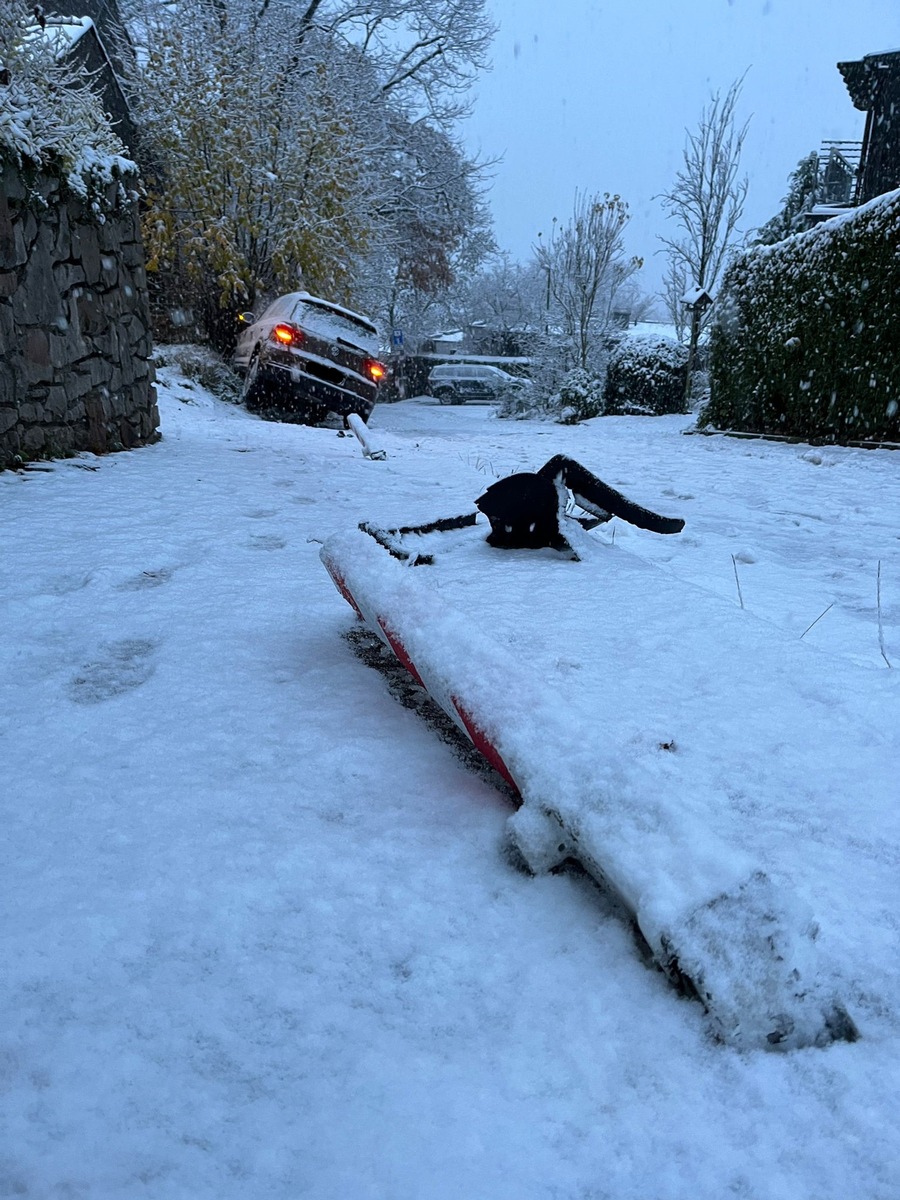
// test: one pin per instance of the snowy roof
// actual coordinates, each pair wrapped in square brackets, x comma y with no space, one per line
[454,335]
[829,210]
[863,76]
[63,32]
[696,296]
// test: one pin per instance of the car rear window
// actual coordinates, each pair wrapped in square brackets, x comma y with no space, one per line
[279,308]
[331,324]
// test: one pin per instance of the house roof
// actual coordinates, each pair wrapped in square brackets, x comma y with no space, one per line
[63,32]
[863,76]
[696,297]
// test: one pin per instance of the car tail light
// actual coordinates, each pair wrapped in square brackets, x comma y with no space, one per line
[287,335]
[375,369]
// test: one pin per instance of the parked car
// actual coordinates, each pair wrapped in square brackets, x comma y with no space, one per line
[306,357]
[455,383]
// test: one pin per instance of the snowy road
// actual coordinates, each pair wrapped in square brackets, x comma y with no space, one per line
[259,936]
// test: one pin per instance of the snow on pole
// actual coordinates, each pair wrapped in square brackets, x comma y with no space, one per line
[356,423]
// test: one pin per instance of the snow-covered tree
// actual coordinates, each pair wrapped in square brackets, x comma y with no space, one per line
[254,179]
[503,296]
[706,201]
[50,118]
[289,147]
[433,227]
[585,267]
[639,305]
[426,53]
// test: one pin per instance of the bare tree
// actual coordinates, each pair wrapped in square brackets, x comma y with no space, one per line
[427,52]
[504,296]
[675,285]
[585,267]
[706,201]
[433,228]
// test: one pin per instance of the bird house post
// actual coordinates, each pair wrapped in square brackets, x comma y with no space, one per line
[696,300]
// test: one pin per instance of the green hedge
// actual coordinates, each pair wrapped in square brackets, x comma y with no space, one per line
[806,333]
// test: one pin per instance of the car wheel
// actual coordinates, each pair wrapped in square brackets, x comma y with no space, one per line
[290,412]
[252,392]
[444,397]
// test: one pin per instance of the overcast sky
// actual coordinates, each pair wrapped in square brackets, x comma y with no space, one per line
[596,96]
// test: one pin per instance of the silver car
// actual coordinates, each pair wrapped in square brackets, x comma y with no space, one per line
[455,383]
[306,357]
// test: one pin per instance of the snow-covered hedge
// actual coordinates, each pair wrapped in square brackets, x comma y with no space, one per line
[646,374]
[805,339]
[50,119]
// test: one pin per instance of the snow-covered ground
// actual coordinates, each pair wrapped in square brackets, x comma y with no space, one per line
[260,938]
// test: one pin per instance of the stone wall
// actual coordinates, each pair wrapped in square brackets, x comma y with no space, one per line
[75,342]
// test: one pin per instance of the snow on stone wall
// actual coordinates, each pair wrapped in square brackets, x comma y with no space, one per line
[75,342]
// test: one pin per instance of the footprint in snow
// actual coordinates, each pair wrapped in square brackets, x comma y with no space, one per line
[267,541]
[257,514]
[147,579]
[63,585]
[118,667]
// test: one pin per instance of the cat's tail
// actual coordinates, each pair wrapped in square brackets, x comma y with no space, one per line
[597,497]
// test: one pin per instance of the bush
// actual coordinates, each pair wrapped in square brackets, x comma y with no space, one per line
[804,343]
[204,366]
[579,398]
[646,375]
[525,404]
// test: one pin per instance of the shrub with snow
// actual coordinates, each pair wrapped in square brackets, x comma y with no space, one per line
[203,365]
[580,397]
[525,404]
[805,338]
[646,375]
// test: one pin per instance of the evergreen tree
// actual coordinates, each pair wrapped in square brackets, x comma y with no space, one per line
[804,185]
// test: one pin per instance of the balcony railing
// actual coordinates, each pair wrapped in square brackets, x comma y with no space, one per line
[840,167]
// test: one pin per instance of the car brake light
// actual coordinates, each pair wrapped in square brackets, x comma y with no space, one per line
[376,369]
[288,335]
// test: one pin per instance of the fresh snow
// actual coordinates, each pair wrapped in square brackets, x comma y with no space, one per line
[611,735]
[261,938]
